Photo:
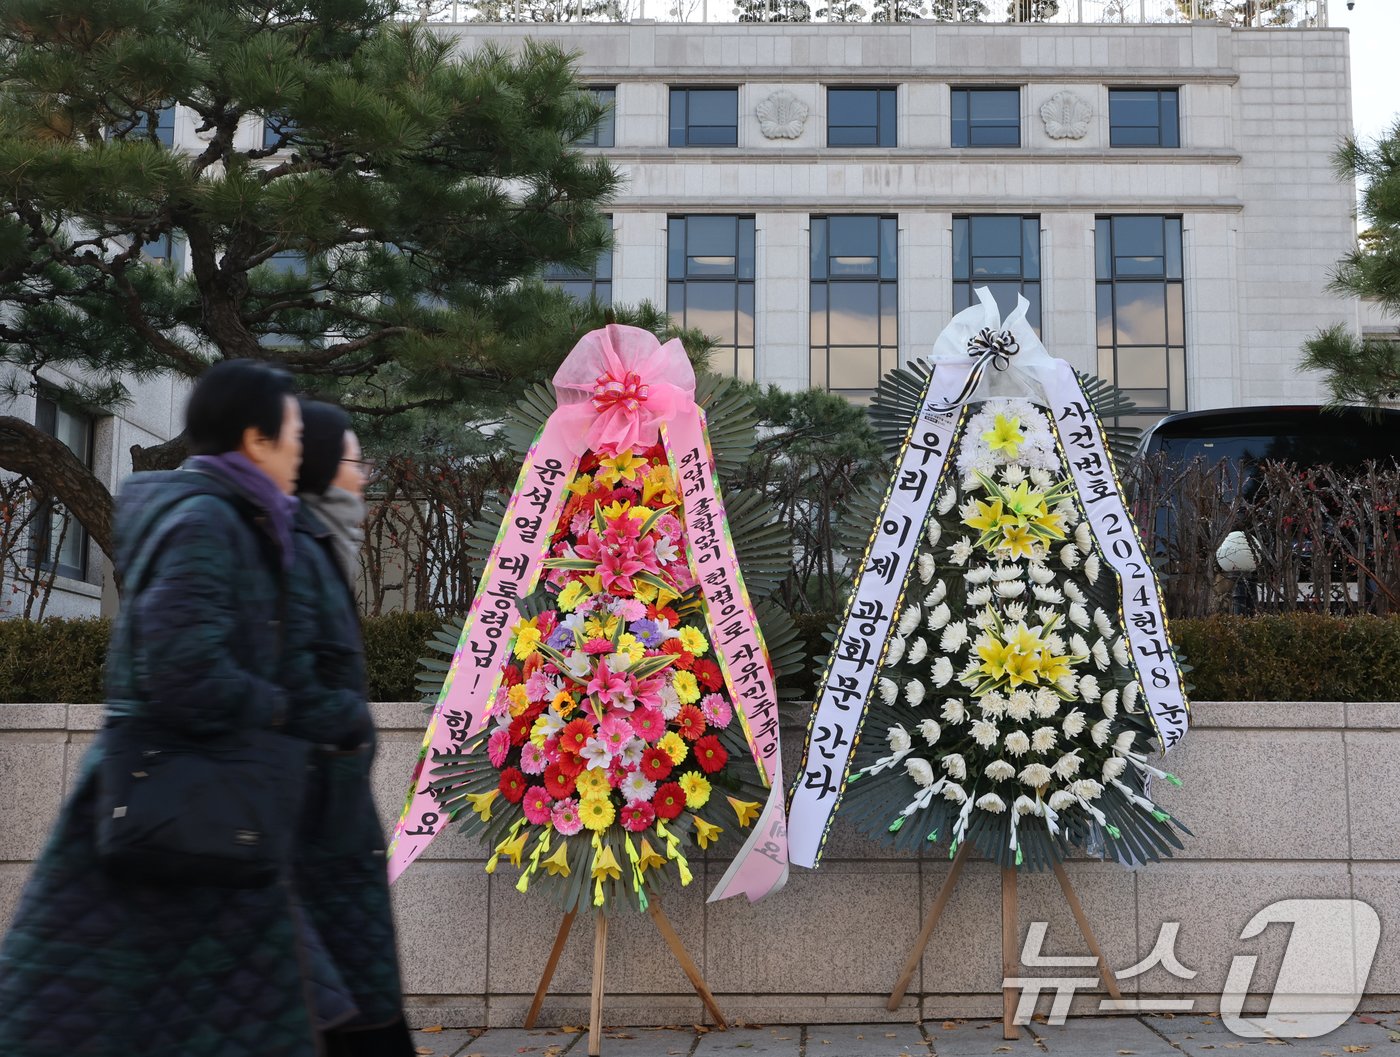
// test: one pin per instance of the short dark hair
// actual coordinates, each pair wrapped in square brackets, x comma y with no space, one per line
[232,396]
[323,429]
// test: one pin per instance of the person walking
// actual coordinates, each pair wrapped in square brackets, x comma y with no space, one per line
[340,867]
[99,964]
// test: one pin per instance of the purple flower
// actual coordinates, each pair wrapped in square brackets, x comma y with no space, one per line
[562,638]
[647,632]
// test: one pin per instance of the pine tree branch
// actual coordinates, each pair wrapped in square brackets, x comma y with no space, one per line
[46,460]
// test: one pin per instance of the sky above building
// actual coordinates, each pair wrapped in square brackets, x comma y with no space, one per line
[1375,79]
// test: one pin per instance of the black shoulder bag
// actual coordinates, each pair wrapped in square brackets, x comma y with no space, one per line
[220,811]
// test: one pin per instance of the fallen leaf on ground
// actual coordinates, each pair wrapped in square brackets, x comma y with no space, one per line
[1355,1049]
[948,1025]
[431,1031]
[1363,1019]
[572,1028]
[423,1050]
[1002,1049]
[1126,1053]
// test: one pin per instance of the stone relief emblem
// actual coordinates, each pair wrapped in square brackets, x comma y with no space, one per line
[782,115]
[1066,116]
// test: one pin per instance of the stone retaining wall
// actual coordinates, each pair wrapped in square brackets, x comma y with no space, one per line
[1286,800]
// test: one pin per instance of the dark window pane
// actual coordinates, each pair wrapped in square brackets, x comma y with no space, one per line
[711,245]
[675,248]
[746,247]
[962,257]
[603,269]
[1000,106]
[888,135]
[1137,238]
[678,117]
[1171,125]
[889,248]
[995,136]
[712,136]
[1030,248]
[1005,294]
[713,106]
[603,292]
[1133,108]
[1132,136]
[818,248]
[1103,248]
[855,237]
[852,106]
[962,297]
[852,136]
[1031,292]
[675,300]
[995,266]
[1173,247]
[994,236]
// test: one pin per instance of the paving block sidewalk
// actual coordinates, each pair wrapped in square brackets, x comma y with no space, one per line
[1377,1035]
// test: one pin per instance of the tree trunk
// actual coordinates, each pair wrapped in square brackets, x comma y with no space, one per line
[167,456]
[46,460]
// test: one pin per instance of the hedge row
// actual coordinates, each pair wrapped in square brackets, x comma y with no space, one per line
[1294,657]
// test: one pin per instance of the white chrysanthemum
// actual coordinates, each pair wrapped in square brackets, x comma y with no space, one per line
[956,766]
[1100,731]
[918,651]
[927,567]
[1010,590]
[1015,612]
[914,693]
[954,637]
[1100,655]
[895,650]
[1102,623]
[1087,788]
[1069,556]
[1120,651]
[1006,573]
[1078,615]
[1044,739]
[1124,741]
[984,619]
[984,733]
[946,501]
[954,792]
[1083,538]
[1109,704]
[1047,702]
[1113,767]
[1089,688]
[993,705]
[1013,475]
[999,771]
[1020,705]
[889,691]
[1073,593]
[909,619]
[961,551]
[942,672]
[1024,805]
[1051,596]
[1068,683]
[1091,568]
[1035,775]
[979,575]
[1078,645]
[1039,477]
[919,770]
[899,739]
[967,510]
[1073,724]
[954,711]
[992,803]
[1018,743]
[1130,695]
[1061,799]
[1054,642]
[938,592]
[979,597]
[939,617]
[930,730]
[1040,574]
[1046,614]
[970,676]
[1067,766]
[934,533]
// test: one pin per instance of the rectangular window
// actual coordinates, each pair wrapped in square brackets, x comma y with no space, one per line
[860,117]
[1141,311]
[855,303]
[1143,117]
[59,542]
[162,249]
[710,285]
[584,283]
[275,127]
[1001,253]
[704,117]
[986,117]
[604,134]
[163,127]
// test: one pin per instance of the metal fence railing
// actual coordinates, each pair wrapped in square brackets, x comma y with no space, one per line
[1240,13]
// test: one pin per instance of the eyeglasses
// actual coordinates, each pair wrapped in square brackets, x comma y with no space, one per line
[367,466]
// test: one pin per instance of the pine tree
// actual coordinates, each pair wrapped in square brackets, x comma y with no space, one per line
[773,11]
[1366,370]
[1032,10]
[957,10]
[1248,12]
[841,11]
[897,10]
[351,197]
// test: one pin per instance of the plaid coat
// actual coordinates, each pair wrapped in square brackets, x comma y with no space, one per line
[93,967]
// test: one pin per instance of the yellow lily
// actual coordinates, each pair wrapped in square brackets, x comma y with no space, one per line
[994,654]
[558,863]
[705,833]
[745,810]
[481,803]
[648,858]
[1018,540]
[1005,435]
[989,516]
[605,865]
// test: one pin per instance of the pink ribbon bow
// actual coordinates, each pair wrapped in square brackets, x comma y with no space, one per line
[618,385]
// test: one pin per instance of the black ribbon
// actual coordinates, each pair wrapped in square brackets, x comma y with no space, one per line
[999,345]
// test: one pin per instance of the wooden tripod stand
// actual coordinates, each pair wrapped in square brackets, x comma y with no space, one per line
[600,951]
[1010,929]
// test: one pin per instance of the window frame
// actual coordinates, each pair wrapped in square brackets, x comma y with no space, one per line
[1161,93]
[885,279]
[41,537]
[967,92]
[683,130]
[607,127]
[886,96]
[745,286]
[971,280]
[560,277]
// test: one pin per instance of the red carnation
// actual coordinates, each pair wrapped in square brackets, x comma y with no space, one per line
[685,660]
[513,785]
[571,765]
[638,816]
[511,676]
[710,754]
[575,736]
[669,801]
[558,783]
[656,764]
[655,612]
[707,673]
[690,721]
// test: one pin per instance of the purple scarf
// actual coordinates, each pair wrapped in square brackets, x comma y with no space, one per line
[241,472]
